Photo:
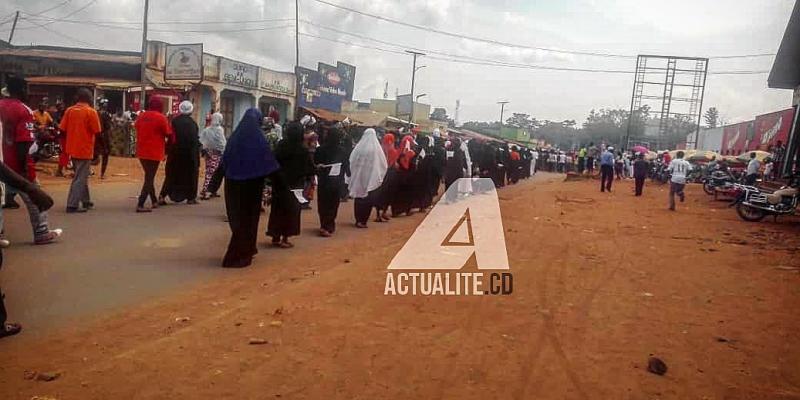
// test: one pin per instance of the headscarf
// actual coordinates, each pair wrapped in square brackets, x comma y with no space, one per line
[294,158]
[247,155]
[213,137]
[367,165]
[186,107]
[390,151]
[406,152]
[155,104]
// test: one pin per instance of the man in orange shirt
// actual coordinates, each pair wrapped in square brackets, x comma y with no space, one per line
[82,124]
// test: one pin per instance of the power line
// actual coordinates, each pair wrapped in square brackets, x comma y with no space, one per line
[63,3]
[507,44]
[179,22]
[53,20]
[476,61]
[139,29]
[74,39]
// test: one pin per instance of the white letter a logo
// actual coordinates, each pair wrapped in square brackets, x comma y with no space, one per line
[451,233]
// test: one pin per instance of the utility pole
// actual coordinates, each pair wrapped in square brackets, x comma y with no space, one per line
[296,33]
[413,78]
[142,96]
[502,109]
[13,28]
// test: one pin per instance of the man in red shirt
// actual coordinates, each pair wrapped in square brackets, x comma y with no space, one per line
[17,121]
[82,125]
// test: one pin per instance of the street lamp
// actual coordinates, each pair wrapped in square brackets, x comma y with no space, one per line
[419,68]
[413,78]
[502,108]
[420,95]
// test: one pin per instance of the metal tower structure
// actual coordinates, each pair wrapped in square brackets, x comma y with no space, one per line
[673,88]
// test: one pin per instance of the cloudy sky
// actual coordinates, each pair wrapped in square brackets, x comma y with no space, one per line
[262,32]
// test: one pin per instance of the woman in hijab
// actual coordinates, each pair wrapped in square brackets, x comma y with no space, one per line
[424,174]
[454,169]
[287,186]
[332,165]
[213,140]
[404,195]
[389,186]
[152,132]
[367,170]
[248,161]
[183,159]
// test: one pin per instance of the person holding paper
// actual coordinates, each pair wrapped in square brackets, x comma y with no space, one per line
[331,162]
[287,186]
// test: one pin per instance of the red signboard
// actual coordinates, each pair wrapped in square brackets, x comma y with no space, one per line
[771,128]
[734,138]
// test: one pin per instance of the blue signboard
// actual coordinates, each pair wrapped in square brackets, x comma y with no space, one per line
[326,87]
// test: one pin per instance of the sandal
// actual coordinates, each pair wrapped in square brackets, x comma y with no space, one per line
[10,329]
[285,245]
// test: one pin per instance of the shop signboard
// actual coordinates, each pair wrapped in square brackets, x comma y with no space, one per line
[238,74]
[184,62]
[277,82]
[325,88]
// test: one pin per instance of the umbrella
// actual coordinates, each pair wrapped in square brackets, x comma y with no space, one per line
[640,149]
[732,160]
[686,154]
[760,156]
[702,156]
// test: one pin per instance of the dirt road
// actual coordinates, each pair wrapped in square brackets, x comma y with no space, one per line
[601,282]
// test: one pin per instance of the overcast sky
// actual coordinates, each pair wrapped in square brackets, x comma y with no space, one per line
[702,28]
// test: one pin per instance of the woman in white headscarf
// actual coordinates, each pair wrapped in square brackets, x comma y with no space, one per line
[465,185]
[213,140]
[367,170]
[183,159]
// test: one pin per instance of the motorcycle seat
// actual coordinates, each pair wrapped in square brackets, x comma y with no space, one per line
[776,196]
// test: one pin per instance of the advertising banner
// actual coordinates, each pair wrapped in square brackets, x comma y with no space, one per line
[734,138]
[184,62]
[237,73]
[771,128]
[325,88]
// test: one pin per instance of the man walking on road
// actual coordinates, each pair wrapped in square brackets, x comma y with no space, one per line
[591,154]
[16,124]
[82,124]
[640,167]
[581,159]
[752,170]
[679,168]
[606,169]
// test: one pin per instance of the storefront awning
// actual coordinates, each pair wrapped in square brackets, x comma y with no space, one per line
[326,115]
[100,83]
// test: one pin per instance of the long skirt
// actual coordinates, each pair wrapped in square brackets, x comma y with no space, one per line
[243,204]
[404,195]
[212,163]
[180,177]
[387,190]
[328,197]
[284,214]
[362,207]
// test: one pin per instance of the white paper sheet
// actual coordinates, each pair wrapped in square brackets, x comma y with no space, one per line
[336,169]
[298,193]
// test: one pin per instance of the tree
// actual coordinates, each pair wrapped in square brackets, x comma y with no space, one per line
[521,120]
[439,114]
[712,117]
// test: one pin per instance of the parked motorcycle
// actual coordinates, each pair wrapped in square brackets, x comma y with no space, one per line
[717,180]
[660,174]
[753,204]
[47,143]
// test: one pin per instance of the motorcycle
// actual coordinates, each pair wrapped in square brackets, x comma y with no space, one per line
[753,204]
[47,144]
[717,181]
[660,174]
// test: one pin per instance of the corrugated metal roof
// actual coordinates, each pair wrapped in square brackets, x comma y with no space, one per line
[785,73]
[74,55]
[80,81]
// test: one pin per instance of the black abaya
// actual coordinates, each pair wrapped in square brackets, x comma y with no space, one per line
[183,161]
[243,205]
